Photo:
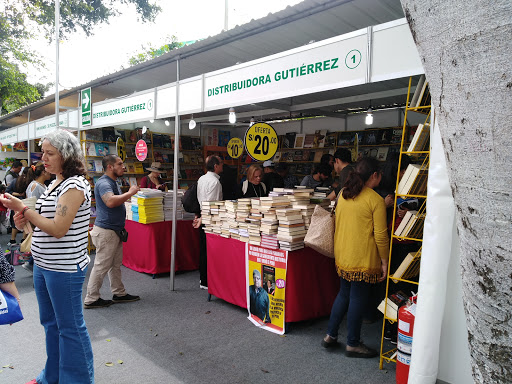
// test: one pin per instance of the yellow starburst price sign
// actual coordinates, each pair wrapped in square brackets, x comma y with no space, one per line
[235,147]
[261,141]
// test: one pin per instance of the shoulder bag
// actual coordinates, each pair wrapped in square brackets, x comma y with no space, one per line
[320,235]
[10,311]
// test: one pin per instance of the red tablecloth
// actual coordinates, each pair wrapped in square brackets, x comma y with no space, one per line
[148,248]
[311,280]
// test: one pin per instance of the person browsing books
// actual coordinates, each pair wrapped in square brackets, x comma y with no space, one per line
[342,166]
[153,179]
[271,178]
[361,247]
[253,187]
[321,172]
[106,235]
[209,188]
[59,247]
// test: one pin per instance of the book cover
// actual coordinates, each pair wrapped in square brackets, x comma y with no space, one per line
[396,136]
[138,168]
[133,181]
[330,140]
[318,156]
[94,135]
[370,138]
[133,136]
[299,140]
[165,158]
[158,141]
[384,136]
[309,140]
[120,133]
[215,136]
[109,134]
[224,137]
[130,168]
[90,166]
[90,148]
[269,279]
[277,157]
[289,140]
[320,136]
[101,149]
[345,139]
[98,165]
[382,153]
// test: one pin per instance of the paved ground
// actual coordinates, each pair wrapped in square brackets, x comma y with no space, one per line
[180,337]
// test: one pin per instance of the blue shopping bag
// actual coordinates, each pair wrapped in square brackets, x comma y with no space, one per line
[10,311]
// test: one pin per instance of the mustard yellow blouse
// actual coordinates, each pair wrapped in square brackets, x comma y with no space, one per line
[361,236]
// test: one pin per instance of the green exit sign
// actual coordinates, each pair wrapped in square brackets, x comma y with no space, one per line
[86,107]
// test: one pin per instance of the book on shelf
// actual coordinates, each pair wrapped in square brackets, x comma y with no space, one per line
[417,91]
[405,225]
[224,137]
[330,140]
[102,149]
[165,158]
[289,140]
[132,181]
[130,168]
[158,140]
[396,136]
[346,138]
[98,166]
[408,268]
[299,140]
[370,137]
[424,96]
[297,156]
[409,178]
[90,166]
[393,302]
[277,157]
[94,135]
[89,148]
[384,136]
[420,138]
[382,153]
[320,135]
[309,140]
[138,168]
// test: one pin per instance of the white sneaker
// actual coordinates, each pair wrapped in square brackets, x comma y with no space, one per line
[203,287]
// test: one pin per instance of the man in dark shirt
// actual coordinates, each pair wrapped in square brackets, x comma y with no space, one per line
[290,181]
[342,166]
[258,298]
[110,219]
[271,179]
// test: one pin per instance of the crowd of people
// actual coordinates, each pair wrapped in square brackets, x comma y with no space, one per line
[60,221]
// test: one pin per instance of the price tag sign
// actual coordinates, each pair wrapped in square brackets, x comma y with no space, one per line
[141,150]
[121,150]
[235,147]
[261,141]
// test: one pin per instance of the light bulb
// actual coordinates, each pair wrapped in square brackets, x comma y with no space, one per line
[191,124]
[167,122]
[369,117]
[144,129]
[151,121]
[232,115]
[251,123]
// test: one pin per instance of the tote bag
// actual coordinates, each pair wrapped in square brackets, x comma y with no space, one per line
[10,311]
[320,235]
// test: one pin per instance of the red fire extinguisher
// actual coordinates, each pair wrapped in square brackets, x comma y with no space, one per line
[404,341]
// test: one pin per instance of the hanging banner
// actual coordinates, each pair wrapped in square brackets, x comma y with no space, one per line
[235,147]
[266,274]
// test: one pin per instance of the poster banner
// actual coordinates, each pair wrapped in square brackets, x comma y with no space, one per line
[266,276]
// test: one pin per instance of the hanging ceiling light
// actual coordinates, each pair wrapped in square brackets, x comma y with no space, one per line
[251,123]
[166,122]
[192,123]
[151,121]
[144,129]
[369,117]
[232,115]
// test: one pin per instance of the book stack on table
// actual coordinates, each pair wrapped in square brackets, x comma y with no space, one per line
[147,206]
[231,223]
[291,230]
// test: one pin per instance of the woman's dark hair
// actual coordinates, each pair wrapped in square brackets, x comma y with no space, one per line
[390,172]
[73,167]
[23,181]
[34,173]
[363,170]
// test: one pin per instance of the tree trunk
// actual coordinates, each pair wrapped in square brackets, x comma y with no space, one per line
[465,47]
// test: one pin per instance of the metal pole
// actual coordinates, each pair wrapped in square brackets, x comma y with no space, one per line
[28,138]
[175,174]
[57,25]
[226,14]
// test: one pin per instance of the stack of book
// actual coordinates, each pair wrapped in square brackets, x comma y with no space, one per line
[232,224]
[128,207]
[181,214]
[414,180]
[147,206]
[394,301]
[291,230]
[243,209]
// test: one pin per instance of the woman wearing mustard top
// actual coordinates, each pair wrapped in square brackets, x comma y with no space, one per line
[361,249]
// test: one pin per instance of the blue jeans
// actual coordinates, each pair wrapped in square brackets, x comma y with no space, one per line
[352,300]
[68,346]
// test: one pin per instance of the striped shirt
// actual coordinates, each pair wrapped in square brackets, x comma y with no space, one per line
[64,254]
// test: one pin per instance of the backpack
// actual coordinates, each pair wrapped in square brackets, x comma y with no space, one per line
[189,200]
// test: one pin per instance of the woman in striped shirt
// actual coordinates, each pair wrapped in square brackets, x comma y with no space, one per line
[59,247]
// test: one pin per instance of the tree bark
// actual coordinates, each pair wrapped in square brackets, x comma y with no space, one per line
[465,47]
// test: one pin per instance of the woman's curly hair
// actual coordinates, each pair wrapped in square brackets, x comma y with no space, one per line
[73,162]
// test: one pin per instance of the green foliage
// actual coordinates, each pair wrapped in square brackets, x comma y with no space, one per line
[19,17]
[151,52]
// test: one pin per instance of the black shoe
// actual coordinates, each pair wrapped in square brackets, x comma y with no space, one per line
[100,303]
[329,342]
[360,351]
[125,299]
